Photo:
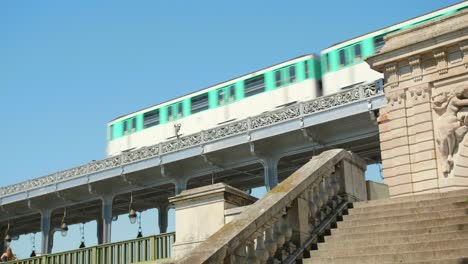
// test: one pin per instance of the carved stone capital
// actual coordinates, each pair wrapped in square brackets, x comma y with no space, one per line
[420,92]
[464,50]
[396,97]
[441,58]
[415,63]
[391,73]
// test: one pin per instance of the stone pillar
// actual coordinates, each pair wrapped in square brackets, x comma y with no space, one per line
[106,220]
[270,165]
[200,212]
[423,127]
[163,218]
[47,235]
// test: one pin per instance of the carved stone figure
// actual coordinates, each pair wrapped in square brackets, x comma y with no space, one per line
[451,126]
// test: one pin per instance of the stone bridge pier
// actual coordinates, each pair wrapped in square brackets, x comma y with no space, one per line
[423,127]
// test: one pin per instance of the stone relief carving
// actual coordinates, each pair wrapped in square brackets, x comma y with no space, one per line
[452,123]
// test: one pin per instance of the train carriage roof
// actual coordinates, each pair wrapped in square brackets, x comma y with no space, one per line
[218,85]
[396,26]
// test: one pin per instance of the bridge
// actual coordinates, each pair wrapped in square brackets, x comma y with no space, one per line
[258,151]
[426,71]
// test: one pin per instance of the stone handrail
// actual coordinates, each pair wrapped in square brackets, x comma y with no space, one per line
[279,227]
[295,111]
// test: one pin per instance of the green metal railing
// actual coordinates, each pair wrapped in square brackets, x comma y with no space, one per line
[125,252]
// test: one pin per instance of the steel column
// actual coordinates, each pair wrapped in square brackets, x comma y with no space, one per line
[270,165]
[106,219]
[47,235]
[163,218]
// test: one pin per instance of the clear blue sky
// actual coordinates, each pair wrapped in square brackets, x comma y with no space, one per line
[68,67]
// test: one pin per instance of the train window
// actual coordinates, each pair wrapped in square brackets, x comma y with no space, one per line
[179,110]
[357,51]
[220,96]
[199,103]
[133,124]
[169,113]
[125,127]
[129,125]
[151,118]
[254,86]
[292,74]
[306,69]
[378,43]
[278,81]
[327,62]
[232,93]
[342,57]
[111,132]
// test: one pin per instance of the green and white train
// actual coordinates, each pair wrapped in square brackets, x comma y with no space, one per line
[300,79]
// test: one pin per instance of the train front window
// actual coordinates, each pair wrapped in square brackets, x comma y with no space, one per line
[342,57]
[278,80]
[306,69]
[151,119]
[292,74]
[199,103]
[357,51]
[254,86]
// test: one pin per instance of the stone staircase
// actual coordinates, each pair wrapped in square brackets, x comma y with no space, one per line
[430,228]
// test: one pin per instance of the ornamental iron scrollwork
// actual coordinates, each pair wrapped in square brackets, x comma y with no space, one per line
[275,117]
[226,130]
[331,101]
[356,93]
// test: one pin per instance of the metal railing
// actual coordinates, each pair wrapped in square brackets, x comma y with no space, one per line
[299,110]
[125,252]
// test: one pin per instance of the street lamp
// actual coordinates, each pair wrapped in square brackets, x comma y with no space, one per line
[132,215]
[7,236]
[140,231]
[63,225]
[82,244]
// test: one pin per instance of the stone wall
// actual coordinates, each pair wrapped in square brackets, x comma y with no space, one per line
[422,128]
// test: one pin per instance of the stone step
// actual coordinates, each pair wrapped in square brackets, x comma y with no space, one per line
[353,215]
[395,249]
[407,257]
[410,204]
[396,233]
[412,198]
[403,218]
[442,261]
[402,225]
[393,240]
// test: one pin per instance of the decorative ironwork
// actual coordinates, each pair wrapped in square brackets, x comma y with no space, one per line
[330,101]
[277,116]
[354,94]
[226,130]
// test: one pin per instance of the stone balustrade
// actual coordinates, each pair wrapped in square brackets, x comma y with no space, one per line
[282,226]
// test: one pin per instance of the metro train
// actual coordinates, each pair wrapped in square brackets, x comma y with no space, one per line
[300,79]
